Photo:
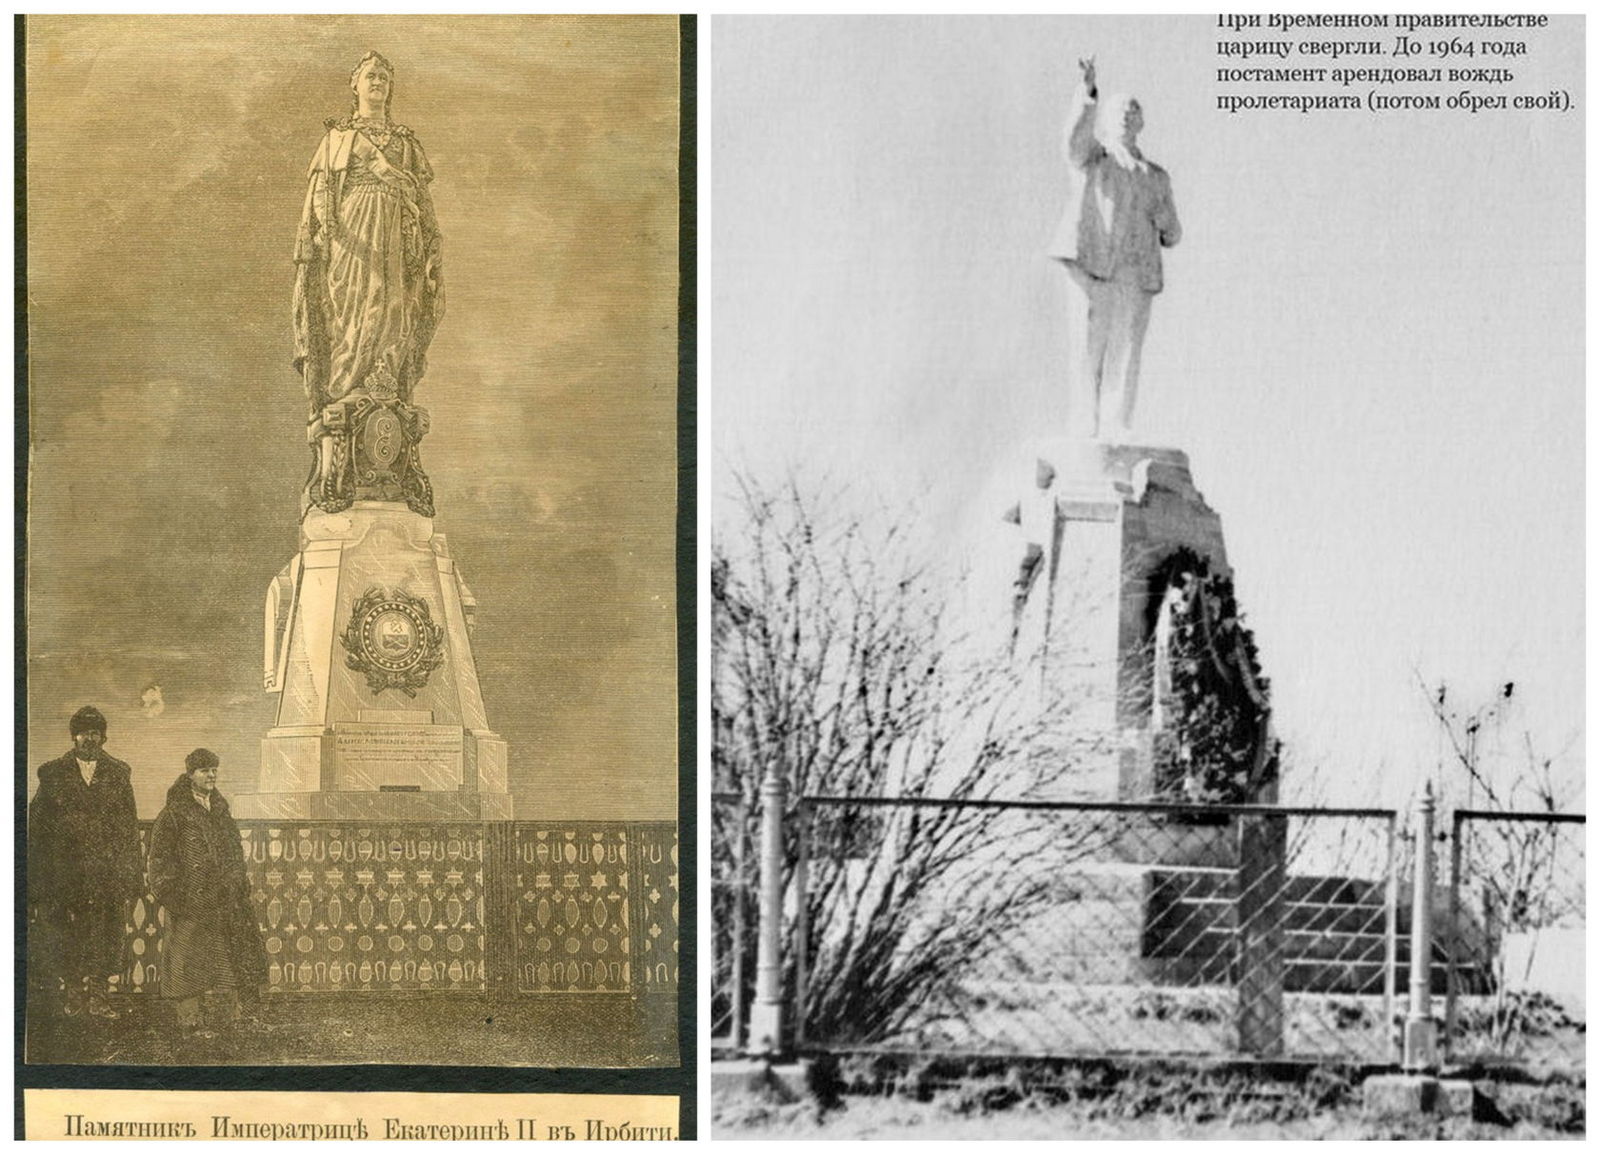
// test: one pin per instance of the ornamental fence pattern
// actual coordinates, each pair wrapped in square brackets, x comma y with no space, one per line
[503,908]
[656,866]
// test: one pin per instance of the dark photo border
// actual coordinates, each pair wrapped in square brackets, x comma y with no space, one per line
[678,1081]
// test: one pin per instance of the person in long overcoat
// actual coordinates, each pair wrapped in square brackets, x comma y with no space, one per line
[85,868]
[212,941]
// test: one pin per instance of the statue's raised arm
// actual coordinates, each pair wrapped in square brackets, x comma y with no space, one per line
[1119,216]
[1079,145]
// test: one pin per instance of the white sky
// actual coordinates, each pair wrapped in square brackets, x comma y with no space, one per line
[1370,345]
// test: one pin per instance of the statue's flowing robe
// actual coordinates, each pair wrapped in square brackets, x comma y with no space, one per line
[368,289]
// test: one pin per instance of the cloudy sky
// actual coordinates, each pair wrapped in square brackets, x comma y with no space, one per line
[166,167]
[1370,345]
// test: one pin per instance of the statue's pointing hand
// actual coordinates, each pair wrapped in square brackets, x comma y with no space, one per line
[1087,67]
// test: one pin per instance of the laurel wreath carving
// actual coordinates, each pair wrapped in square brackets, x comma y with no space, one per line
[430,641]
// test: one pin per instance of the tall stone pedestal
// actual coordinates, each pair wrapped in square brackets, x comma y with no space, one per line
[368,648]
[1105,530]
[1099,525]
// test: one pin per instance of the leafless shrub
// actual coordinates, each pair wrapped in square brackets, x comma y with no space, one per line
[836,668]
[1520,876]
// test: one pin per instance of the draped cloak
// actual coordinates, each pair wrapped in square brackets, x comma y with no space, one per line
[368,291]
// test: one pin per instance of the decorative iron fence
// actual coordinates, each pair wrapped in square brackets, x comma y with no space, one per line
[506,908]
[1515,990]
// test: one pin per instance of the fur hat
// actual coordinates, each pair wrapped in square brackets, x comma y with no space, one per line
[87,718]
[201,759]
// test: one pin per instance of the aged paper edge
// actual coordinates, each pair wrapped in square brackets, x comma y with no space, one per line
[71,1113]
[33,1104]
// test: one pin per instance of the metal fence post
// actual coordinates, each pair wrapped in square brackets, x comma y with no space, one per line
[1391,933]
[1421,1047]
[1452,987]
[766,1016]
[1261,935]
[499,910]
[802,931]
[740,923]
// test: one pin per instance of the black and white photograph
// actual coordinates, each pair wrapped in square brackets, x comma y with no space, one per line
[1146,577]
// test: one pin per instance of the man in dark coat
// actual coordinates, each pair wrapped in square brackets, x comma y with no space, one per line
[85,868]
[212,941]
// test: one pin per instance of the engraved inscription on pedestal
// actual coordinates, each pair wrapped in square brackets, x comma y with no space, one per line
[371,756]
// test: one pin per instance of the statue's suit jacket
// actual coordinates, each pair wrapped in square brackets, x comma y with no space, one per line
[1117,219]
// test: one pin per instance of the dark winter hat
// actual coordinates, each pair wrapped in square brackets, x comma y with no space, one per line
[200,759]
[85,719]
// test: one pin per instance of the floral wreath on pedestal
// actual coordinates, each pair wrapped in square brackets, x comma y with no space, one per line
[1217,744]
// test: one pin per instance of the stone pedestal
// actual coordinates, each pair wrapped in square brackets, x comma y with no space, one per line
[368,648]
[1097,524]
[367,447]
[1102,530]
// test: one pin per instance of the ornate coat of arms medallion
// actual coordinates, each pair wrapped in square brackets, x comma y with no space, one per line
[393,641]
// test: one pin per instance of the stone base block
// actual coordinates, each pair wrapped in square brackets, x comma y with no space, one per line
[791,1079]
[375,806]
[1124,923]
[784,1082]
[1418,1095]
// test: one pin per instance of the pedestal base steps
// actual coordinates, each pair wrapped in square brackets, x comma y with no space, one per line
[371,806]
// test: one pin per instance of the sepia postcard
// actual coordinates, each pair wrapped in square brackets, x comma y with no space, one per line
[352,402]
[1147,576]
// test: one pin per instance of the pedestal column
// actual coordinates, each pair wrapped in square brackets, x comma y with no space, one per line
[368,649]
[1098,524]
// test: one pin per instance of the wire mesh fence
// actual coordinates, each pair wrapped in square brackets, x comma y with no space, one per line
[1515,972]
[987,927]
[733,919]
[947,926]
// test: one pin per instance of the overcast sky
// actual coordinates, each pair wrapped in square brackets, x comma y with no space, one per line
[167,162]
[1370,344]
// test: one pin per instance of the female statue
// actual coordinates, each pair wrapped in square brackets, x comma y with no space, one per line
[368,291]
